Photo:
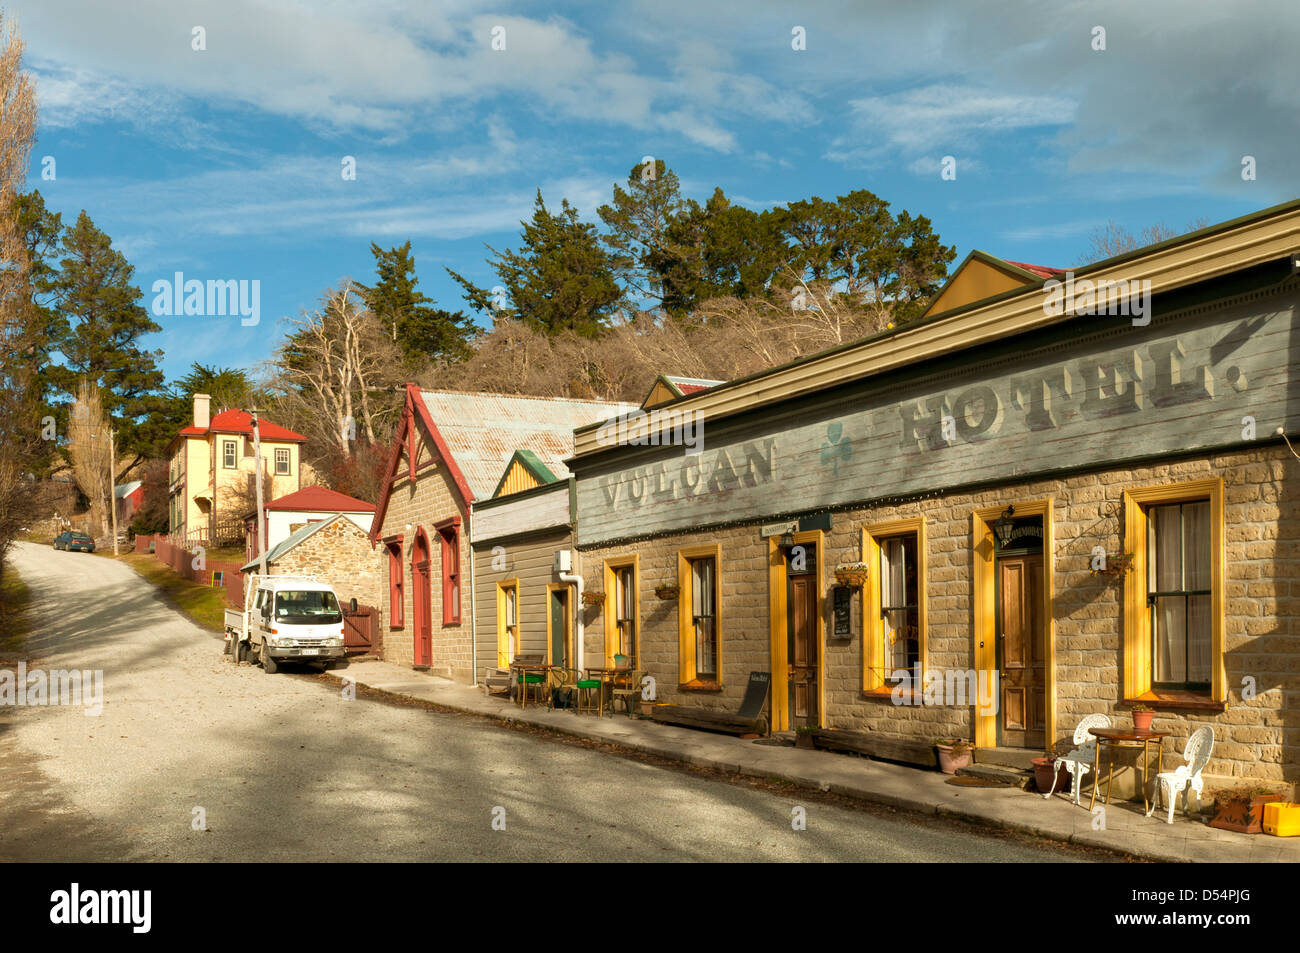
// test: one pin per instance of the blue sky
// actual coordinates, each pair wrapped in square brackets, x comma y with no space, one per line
[225,163]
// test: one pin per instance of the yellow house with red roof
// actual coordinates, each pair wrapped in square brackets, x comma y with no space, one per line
[212,472]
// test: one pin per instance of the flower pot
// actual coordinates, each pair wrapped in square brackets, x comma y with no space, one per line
[593,598]
[1243,813]
[804,739]
[1043,776]
[952,760]
[1142,720]
[667,592]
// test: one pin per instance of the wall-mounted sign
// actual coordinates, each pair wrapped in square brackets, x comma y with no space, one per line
[846,611]
[1124,393]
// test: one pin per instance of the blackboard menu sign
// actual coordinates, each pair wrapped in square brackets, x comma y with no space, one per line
[842,609]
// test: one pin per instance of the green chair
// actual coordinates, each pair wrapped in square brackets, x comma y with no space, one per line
[589,688]
[535,680]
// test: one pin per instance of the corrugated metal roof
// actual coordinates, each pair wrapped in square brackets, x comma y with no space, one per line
[482,431]
[123,490]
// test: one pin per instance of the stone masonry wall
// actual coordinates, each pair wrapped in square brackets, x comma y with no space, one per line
[1255,737]
[430,500]
[339,554]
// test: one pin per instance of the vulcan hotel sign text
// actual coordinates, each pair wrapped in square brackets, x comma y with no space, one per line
[1209,380]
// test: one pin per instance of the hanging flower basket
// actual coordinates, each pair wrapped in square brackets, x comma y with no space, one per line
[593,598]
[851,574]
[668,591]
[1116,565]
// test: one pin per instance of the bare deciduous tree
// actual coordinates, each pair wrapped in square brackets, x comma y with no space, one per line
[88,451]
[337,372]
[20,429]
[1113,239]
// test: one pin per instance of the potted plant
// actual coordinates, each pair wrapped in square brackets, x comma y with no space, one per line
[667,590]
[1043,775]
[804,738]
[1116,565]
[590,598]
[1242,809]
[954,754]
[1142,717]
[851,574]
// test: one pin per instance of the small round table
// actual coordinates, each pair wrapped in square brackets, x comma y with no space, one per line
[1125,738]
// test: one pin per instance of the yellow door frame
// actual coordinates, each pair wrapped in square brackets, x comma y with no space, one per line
[985,610]
[568,624]
[777,580]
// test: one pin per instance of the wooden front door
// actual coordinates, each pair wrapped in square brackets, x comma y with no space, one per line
[801,625]
[422,601]
[1021,650]
[559,628]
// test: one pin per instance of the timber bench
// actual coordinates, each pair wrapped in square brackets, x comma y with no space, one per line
[748,720]
[920,753]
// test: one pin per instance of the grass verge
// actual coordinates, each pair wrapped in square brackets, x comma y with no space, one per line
[15,598]
[203,604]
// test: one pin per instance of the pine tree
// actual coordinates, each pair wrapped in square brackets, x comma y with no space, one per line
[422,332]
[717,250]
[561,278]
[42,234]
[638,220]
[100,340]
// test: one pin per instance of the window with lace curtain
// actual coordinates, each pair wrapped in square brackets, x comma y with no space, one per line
[704,616]
[899,605]
[1178,594]
[1174,597]
[625,612]
[698,614]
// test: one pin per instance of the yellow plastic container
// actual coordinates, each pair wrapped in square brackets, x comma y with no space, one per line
[1282,819]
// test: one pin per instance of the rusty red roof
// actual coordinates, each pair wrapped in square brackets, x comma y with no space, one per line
[241,421]
[1043,271]
[322,500]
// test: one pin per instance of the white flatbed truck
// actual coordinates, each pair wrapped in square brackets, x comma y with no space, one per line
[286,618]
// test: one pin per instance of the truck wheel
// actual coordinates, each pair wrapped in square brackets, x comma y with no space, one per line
[269,665]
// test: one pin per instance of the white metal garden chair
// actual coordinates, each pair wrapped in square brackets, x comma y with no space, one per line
[1186,777]
[1079,760]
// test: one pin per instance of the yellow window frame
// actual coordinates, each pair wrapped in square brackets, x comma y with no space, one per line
[610,608]
[503,635]
[1137,618]
[685,627]
[873,623]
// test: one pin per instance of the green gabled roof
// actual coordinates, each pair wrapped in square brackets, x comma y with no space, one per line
[530,462]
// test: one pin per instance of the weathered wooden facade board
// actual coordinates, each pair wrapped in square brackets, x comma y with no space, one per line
[1098,391]
[526,512]
[529,565]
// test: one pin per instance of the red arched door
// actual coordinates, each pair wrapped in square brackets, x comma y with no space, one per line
[421,600]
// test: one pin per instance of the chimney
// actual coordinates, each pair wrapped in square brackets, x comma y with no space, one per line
[202,410]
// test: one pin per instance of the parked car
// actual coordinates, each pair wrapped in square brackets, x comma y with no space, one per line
[71,541]
[286,618]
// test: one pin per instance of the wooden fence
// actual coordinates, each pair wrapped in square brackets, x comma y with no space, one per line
[182,563]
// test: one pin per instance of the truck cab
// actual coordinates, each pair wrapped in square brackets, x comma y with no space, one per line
[294,618]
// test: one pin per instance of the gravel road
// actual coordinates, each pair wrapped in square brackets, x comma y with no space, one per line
[285,769]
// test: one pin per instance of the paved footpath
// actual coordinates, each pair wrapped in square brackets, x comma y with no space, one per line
[1127,830]
[286,768]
